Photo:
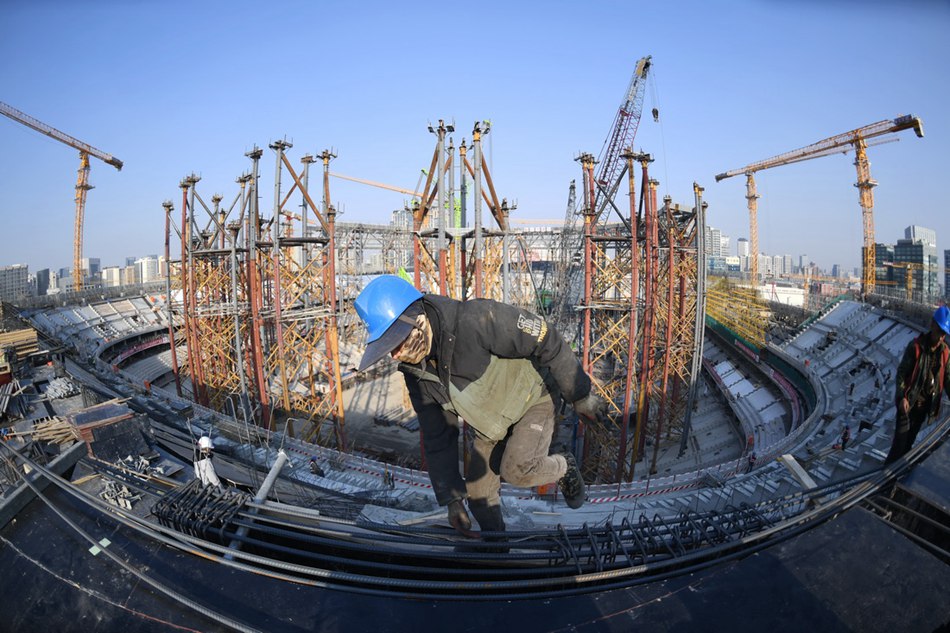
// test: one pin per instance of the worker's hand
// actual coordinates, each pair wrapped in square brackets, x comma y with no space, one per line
[905,406]
[592,407]
[458,517]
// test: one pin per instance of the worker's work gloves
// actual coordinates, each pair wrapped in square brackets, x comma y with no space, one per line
[592,407]
[458,517]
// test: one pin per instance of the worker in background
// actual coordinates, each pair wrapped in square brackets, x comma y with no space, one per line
[204,469]
[921,376]
[845,436]
[502,370]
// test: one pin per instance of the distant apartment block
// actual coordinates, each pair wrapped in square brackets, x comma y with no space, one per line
[14,282]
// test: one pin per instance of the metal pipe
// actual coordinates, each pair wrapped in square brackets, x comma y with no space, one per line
[440,204]
[477,177]
[646,343]
[255,288]
[629,379]
[261,495]
[700,316]
[277,263]
[169,207]
[661,419]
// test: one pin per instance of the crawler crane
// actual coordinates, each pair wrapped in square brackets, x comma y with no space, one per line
[82,181]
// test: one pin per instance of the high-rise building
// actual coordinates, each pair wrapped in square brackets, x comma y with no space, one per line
[884,277]
[778,265]
[802,263]
[146,269]
[916,233]
[714,239]
[742,247]
[130,275]
[53,287]
[717,249]
[920,257]
[713,242]
[42,281]
[787,264]
[14,282]
[111,276]
[946,273]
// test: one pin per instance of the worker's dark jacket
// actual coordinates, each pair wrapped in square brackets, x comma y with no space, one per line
[489,363]
[922,374]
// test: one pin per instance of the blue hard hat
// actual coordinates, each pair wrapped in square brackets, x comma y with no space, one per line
[942,318]
[379,305]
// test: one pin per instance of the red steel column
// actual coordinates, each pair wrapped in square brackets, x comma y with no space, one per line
[649,283]
[632,334]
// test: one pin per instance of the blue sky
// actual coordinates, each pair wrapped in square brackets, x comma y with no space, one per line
[173,87]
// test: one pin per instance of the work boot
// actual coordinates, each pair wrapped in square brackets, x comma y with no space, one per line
[572,484]
[490,519]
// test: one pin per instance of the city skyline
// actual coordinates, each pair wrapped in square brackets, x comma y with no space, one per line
[196,103]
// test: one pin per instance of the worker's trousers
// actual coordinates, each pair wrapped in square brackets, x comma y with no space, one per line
[521,459]
[906,428]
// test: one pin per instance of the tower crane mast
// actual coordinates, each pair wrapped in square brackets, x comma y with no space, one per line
[841,143]
[82,180]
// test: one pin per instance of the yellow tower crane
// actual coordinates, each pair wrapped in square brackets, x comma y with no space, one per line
[909,268]
[408,192]
[82,180]
[842,143]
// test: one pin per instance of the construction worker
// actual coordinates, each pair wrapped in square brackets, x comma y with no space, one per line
[499,368]
[204,469]
[845,436]
[921,376]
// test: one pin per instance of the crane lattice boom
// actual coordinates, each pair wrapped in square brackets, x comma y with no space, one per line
[624,130]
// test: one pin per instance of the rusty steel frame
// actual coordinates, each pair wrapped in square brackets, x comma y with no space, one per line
[639,313]
[259,305]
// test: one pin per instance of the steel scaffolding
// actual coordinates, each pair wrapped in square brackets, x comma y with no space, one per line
[641,314]
[267,301]
[258,299]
